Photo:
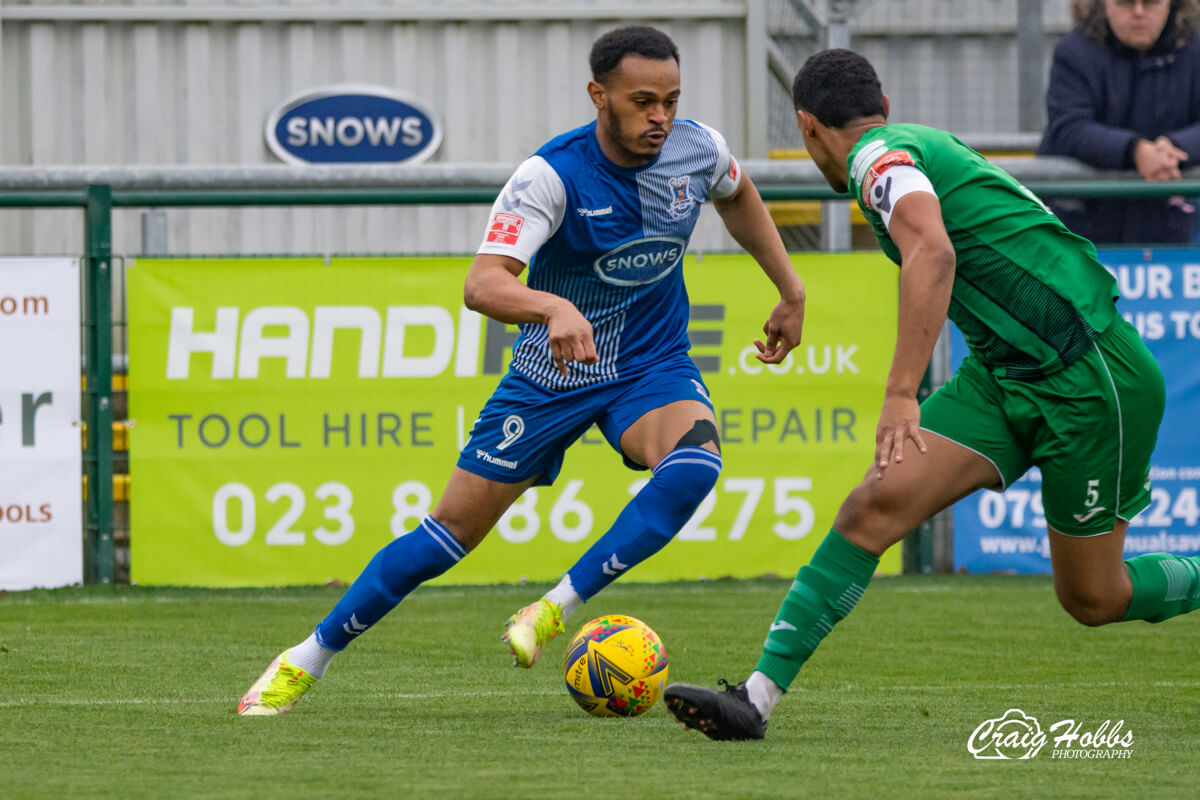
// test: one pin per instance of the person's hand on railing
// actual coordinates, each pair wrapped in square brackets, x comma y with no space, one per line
[1158,160]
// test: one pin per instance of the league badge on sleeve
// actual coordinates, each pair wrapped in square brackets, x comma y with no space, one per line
[505,228]
[892,158]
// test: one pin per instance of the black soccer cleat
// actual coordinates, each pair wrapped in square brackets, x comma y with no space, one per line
[722,715]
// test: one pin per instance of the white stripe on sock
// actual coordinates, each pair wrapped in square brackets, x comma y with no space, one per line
[448,542]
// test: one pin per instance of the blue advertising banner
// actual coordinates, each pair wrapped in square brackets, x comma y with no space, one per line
[1160,295]
[353,124]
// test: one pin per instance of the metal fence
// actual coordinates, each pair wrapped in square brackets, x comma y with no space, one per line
[98,192]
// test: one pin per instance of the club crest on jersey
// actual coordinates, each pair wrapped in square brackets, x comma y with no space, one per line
[681,202]
[640,261]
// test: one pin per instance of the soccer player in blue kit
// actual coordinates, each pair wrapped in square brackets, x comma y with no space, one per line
[601,217]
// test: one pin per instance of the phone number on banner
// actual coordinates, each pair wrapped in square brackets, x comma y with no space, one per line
[235,512]
[1018,507]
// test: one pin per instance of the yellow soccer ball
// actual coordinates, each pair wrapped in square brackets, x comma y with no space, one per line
[615,666]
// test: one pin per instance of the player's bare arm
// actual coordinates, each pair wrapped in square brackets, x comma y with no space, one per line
[494,289]
[746,218]
[926,278]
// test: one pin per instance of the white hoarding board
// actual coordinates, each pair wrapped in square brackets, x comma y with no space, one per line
[40,445]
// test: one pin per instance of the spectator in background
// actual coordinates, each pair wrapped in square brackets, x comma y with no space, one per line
[1124,93]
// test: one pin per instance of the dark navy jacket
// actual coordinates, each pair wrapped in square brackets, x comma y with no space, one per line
[1103,97]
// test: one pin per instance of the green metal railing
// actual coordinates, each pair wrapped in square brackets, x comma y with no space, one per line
[98,326]
[138,198]
[98,202]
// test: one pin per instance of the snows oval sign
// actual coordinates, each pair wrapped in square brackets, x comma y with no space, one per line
[640,261]
[353,124]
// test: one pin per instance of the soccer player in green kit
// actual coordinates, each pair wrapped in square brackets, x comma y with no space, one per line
[1055,378]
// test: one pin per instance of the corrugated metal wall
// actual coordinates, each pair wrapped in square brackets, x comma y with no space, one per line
[192,82]
[947,63]
[122,92]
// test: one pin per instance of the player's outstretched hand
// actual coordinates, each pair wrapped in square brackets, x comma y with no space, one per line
[782,329]
[899,419]
[570,336]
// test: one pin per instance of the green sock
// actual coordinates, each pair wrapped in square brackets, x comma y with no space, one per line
[1164,586]
[823,593]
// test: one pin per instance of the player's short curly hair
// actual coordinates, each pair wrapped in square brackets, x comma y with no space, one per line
[837,86]
[640,40]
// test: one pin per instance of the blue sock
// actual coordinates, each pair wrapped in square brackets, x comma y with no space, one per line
[396,570]
[680,483]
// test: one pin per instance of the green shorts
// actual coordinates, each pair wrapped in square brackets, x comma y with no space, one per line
[1089,427]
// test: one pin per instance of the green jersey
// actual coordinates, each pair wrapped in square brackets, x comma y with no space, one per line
[1029,296]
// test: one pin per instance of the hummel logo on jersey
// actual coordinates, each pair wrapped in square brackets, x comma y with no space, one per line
[353,627]
[782,626]
[487,457]
[613,566]
[594,212]
[1088,515]
[511,200]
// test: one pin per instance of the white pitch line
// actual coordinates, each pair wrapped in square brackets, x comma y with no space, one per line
[1006,687]
[149,701]
[138,701]
[1024,588]
[242,596]
[150,601]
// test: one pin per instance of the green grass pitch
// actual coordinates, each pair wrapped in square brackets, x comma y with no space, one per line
[131,692]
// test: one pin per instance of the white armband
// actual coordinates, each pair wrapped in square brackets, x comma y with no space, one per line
[893,183]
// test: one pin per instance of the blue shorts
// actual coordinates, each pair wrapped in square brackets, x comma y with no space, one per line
[524,429]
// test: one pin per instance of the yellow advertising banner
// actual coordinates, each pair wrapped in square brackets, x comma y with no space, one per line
[293,415]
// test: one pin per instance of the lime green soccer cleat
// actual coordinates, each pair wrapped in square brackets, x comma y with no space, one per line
[528,630]
[276,690]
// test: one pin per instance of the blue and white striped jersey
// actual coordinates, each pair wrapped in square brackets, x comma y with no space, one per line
[610,239]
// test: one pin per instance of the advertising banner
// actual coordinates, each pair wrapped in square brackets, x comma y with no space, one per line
[41,505]
[1160,295]
[293,415]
